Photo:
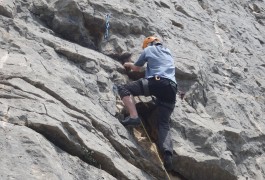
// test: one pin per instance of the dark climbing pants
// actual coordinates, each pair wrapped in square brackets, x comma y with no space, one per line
[165,92]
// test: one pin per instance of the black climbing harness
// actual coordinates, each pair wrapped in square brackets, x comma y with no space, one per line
[145,87]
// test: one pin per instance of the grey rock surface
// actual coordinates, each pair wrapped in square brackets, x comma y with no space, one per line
[59,115]
[25,154]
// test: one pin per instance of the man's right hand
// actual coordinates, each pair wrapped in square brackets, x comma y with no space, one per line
[128,65]
[131,66]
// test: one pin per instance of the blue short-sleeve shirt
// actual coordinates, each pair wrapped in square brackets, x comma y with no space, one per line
[159,62]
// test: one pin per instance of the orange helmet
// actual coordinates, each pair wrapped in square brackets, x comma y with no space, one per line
[149,40]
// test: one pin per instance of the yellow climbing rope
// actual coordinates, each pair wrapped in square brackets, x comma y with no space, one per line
[155,148]
[156,151]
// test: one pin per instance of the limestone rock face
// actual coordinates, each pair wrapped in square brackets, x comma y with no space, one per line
[59,115]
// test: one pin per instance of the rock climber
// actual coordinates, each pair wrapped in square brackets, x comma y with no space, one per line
[160,82]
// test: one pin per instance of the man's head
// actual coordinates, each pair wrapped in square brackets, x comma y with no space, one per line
[150,41]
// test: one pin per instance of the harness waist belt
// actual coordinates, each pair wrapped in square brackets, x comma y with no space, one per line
[156,77]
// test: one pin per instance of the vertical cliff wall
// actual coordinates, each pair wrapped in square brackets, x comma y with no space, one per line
[59,116]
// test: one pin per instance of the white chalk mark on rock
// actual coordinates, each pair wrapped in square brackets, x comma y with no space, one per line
[3,60]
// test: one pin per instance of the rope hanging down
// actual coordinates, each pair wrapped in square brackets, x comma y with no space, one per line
[107,26]
[156,151]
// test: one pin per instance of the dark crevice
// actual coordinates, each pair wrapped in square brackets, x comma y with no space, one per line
[75,116]
[87,34]
[258,83]
[181,10]
[178,25]
[122,58]
[18,88]
[7,96]
[261,42]
[82,121]
[255,8]
[158,4]
[164,5]
[203,4]
[95,27]
[73,145]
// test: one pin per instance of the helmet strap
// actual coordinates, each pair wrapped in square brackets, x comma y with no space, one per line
[154,43]
[151,43]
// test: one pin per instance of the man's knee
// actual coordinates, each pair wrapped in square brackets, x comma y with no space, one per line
[123,91]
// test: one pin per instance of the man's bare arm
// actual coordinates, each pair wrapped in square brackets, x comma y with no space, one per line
[131,66]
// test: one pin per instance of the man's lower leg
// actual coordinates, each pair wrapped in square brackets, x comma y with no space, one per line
[133,119]
[130,105]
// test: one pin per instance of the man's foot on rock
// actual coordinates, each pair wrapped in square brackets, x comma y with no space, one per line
[128,121]
[168,161]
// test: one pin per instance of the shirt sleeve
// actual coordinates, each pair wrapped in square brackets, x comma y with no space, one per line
[141,60]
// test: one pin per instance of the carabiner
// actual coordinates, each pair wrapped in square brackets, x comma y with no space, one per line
[157,77]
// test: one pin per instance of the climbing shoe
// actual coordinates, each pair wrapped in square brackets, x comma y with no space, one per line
[168,161]
[128,121]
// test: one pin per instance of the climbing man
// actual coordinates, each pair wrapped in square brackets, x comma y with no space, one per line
[160,82]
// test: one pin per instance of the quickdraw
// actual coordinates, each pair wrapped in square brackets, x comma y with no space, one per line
[107,26]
